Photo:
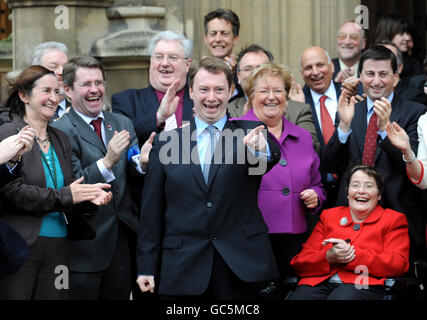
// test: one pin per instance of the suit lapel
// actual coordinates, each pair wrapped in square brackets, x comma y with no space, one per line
[62,157]
[109,127]
[221,150]
[85,131]
[359,124]
[195,165]
[394,117]
[309,100]
[187,106]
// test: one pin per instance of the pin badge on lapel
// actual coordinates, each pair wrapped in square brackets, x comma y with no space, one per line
[109,127]
[343,221]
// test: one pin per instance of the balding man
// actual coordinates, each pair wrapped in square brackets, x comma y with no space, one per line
[351,41]
[322,94]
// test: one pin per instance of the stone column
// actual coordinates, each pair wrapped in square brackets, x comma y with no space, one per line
[77,23]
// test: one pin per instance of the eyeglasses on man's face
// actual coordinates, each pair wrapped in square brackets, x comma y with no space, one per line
[172,58]
[89,84]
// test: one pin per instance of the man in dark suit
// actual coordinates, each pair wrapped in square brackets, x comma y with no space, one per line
[198,236]
[317,70]
[404,88]
[170,61]
[100,140]
[351,144]
[351,41]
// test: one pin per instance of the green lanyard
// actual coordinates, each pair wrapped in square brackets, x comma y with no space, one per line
[54,177]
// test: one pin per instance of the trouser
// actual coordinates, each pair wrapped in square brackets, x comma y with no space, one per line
[113,283]
[337,291]
[223,285]
[44,276]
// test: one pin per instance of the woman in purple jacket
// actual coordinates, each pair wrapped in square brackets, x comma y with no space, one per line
[292,188]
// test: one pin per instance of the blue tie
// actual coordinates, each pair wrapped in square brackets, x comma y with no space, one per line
[209,153]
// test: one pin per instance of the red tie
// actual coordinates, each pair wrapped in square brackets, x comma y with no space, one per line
[370,141]
[325,121]
[97,126]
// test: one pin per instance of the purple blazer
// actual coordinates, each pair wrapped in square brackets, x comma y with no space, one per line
[279,193]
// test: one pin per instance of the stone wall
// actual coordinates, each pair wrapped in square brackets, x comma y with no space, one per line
[117,32]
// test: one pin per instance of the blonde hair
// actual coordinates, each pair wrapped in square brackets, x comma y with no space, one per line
[269,69]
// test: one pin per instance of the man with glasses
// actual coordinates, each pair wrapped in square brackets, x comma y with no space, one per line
[248,60]
[165,104]
[351,41]
[101,268]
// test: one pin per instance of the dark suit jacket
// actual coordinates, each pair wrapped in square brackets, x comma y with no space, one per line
[87,148]
[26,198]
[141,105]
[6,176]
[183,221]
[399,193]
[316,120]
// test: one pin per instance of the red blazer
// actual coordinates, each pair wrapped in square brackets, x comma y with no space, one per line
[381,244]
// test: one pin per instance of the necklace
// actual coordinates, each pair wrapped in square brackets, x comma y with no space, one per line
[53,175]
[44,141]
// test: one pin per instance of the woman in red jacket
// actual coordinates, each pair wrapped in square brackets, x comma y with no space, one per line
[353,249]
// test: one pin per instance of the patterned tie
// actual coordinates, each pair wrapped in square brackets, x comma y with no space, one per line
[97,126]
[209,152]
[326,121]
[370,141]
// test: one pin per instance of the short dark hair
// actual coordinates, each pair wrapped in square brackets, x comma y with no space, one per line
[378,52]
[253,48]
[24,83]
[399,52]
[369,171]
[391,25]
[213,65]
[226,15]
[70,68]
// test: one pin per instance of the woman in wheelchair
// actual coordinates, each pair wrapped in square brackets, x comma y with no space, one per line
[353,249]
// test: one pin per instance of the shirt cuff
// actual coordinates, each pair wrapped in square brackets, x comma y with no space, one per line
[13,168]
[382,134]
[106,173]
[343,136]
[137,164]
[262,155]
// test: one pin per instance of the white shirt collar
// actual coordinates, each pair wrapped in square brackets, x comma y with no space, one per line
[88,119]
[330,93]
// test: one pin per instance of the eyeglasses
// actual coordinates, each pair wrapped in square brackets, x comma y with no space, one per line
[89,84]
[352,36]
[276,92]
[366,186]
[173,58]
[247,69]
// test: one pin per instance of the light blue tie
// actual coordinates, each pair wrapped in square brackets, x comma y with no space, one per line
[209,152]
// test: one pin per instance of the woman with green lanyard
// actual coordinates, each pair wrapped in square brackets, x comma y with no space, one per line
[45,205]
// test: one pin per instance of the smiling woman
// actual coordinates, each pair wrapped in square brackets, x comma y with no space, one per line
[347,237]
[292,188]
[39,205]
